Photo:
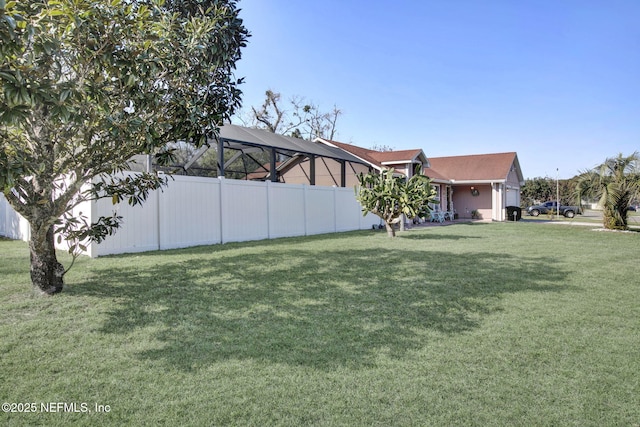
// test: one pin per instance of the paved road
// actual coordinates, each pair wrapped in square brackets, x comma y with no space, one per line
[591,215]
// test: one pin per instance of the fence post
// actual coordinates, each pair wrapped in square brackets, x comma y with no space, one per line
[158,205]
[268,190]
[221,208]
[335,209]
[305,189]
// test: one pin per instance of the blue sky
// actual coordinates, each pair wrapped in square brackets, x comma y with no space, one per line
[557,81]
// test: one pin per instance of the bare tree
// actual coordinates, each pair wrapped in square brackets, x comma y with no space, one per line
[302,119]
[332,119]
[322,125]
[270,115]
[381,147]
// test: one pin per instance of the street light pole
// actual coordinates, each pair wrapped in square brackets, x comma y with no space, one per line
[557,193]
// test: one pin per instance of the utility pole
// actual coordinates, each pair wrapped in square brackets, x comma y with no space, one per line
[557,193]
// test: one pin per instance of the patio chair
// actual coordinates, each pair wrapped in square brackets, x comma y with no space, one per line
[437,216]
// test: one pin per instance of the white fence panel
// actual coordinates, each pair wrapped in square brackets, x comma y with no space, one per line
[245,210]
[139,231]
[189,212]
[4,212]
[347,210]
[369,220]
[13,225]
[84,211]
[320,209]
[286,210]
[194,211]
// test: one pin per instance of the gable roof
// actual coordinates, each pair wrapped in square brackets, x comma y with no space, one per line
[361,153]
[380,159]
[474,168]
[395,157]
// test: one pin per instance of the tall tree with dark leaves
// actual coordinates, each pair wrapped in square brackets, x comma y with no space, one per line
[85,85]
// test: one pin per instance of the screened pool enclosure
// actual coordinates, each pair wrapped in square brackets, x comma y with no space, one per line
[258,155]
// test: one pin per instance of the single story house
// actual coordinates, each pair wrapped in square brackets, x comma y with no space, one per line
[486,183]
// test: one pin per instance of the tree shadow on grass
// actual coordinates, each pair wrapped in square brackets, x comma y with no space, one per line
[312,308]
[271,244]
[434,236]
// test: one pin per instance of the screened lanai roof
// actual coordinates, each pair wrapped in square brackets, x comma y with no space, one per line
[256,154]
[238,137]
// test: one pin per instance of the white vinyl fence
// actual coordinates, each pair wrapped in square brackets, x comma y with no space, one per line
[12,225]
[194,211]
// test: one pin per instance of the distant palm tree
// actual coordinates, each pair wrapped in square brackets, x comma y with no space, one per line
[616,183]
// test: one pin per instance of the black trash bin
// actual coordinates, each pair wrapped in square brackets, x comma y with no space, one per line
[514,213]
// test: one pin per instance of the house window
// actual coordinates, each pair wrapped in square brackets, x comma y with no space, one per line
[436,199]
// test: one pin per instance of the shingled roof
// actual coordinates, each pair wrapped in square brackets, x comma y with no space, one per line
[471,168]
[474,168]
[362,153]
[379,159]
[393,157]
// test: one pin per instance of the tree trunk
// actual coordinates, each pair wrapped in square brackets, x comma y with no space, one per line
[46,272]
[391,232]
[614,220]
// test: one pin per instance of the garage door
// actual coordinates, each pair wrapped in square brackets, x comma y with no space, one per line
[513,197]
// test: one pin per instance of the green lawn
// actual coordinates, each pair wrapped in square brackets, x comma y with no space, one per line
[498,324]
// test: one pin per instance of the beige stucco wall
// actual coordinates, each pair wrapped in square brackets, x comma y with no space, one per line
[327,173]
[464,202]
